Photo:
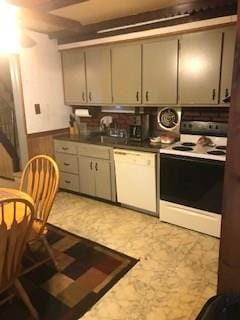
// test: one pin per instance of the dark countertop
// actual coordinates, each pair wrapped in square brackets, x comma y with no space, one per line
[112,142]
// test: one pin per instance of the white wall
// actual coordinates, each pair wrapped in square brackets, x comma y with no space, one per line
[42,83]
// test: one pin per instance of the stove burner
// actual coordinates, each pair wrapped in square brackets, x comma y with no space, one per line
[217,152]
[189,144]
[221,147]
[182,148]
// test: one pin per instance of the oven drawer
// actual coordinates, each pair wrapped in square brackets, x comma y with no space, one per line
[194,219]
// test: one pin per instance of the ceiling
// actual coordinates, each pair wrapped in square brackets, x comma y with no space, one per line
[74,20]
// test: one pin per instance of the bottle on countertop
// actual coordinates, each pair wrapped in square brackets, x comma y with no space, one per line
[73,129]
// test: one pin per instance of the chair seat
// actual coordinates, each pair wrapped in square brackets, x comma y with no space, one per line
[37,230]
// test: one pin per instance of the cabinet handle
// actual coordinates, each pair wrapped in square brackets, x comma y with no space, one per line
[137,96]
[226,93]
[90,96]
[67,181]
[64,148]
[91,167]
[147,95]
[83,96]
[214,94]
[96,166]
[66,164]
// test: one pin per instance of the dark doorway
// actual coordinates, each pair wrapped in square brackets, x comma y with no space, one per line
[8,131]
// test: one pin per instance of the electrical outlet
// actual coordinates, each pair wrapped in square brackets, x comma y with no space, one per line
[37,108]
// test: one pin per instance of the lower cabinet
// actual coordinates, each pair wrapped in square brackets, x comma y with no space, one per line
[69,181]
[87,176]
[95,177]
[87,169]
[103,179]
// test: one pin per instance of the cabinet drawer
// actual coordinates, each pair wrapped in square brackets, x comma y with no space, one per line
[88,150]
[65,146]
[67,162]
[69,181]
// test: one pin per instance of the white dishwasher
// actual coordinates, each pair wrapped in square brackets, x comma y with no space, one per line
[136,179]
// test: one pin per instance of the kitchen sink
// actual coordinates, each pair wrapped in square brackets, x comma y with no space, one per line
[95,134]
[103,138]
[113,140]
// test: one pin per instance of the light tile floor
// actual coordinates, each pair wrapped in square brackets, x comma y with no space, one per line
[177,270]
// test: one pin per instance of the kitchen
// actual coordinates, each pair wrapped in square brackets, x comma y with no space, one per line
[152,148]
[196,108]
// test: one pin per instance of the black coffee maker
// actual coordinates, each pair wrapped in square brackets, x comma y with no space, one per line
[139,129]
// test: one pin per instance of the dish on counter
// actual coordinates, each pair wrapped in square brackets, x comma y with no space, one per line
[155,140]
[165,137]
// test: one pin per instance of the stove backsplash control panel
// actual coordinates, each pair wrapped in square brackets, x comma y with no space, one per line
[205,121]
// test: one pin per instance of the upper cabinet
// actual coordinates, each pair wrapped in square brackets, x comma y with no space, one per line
[126,74]
[160,72]
[192,69]
[98,70]
[73,65]
[227,62]
[200,61]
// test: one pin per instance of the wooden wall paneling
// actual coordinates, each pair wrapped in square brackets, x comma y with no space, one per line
[229,256]
[42,142]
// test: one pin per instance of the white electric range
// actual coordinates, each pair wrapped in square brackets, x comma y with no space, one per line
[192,174]
[188,146]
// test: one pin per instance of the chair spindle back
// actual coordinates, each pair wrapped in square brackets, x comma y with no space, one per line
[40,179]
[16,217]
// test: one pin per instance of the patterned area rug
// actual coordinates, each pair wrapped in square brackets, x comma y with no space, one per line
[89,270]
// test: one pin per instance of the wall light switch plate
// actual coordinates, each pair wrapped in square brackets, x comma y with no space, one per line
[37,108]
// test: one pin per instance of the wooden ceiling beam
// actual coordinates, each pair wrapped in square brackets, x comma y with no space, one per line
[198,8]
[187,7]
[45,6]
[57,4]
[28,15]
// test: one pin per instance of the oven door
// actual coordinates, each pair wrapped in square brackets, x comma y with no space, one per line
[192,182]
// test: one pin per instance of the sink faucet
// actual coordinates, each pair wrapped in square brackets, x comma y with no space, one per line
[105,122]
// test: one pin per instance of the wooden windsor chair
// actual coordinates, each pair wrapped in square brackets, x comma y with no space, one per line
[40,179]
[16,217]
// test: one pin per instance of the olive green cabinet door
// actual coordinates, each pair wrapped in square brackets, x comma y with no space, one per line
[160,71]
[98,70]
[200,60]
[86,175]
[74,79]
[103,179]
[227,62]
[126,74]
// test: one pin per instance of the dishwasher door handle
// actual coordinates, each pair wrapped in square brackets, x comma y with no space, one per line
[122,153]
[127,154]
